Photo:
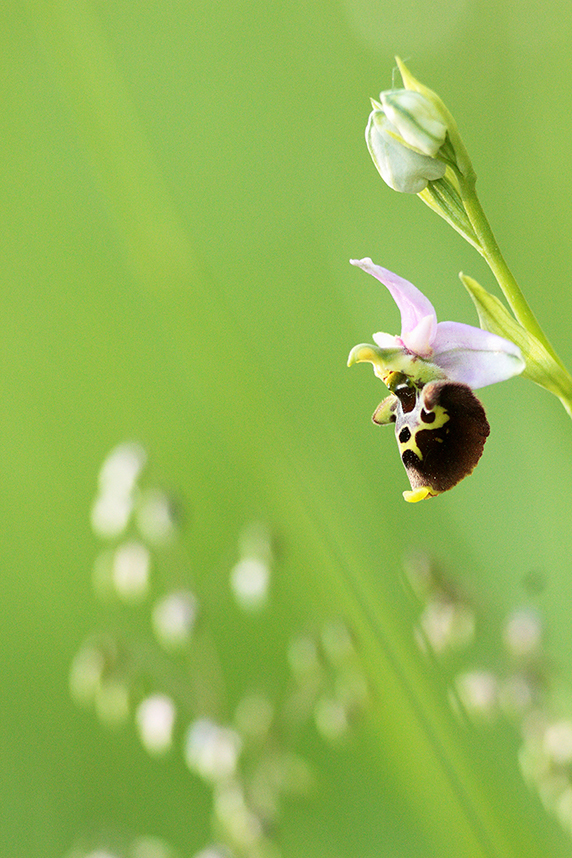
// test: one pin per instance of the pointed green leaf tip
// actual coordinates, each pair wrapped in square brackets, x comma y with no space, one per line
[541,367]
[460,156]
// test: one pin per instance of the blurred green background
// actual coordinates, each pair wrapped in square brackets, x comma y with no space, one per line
[183,184]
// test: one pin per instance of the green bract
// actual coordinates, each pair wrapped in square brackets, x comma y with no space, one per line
[455,150]
[541,366]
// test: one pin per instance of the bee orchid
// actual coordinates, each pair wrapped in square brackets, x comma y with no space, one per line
[431,370]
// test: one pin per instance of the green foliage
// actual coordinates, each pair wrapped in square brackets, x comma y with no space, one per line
[183,185]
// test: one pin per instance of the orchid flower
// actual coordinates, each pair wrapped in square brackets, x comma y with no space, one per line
[431,369]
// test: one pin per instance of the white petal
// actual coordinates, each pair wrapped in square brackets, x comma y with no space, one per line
[401,168]
[416,119]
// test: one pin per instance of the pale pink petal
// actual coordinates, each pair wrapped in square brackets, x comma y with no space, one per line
[473,356]
[387,341]
[419,340]
[413,305]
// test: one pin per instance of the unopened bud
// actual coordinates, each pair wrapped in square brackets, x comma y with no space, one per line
[416,119]
[403,168]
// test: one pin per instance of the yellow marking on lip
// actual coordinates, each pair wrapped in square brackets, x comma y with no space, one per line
[410,445]
[441,417]
[419,494]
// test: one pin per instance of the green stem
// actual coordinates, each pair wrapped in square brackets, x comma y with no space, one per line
[490,250]
[492,254]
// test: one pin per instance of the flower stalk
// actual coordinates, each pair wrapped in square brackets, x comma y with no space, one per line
[428,157]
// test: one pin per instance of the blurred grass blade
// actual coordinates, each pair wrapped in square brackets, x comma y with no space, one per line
[121,158]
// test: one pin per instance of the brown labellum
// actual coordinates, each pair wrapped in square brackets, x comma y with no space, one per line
[441,431]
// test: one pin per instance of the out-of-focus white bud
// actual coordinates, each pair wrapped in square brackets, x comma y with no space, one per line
[155,719]
[211,750]
[174,618]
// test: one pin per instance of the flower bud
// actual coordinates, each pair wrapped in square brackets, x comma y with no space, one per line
[404,169]
[416,119]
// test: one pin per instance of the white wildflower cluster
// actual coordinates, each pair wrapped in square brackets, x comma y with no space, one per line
[330,684]
[447,628]
[135,522]
[514,687]
[98,679]
[517,687]
[447,620]
[242,758]
[117,490]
